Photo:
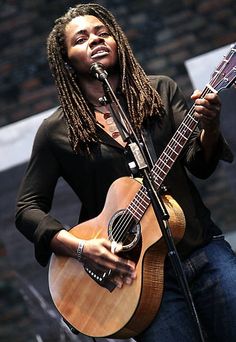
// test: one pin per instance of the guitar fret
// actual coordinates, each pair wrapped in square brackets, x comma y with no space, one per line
[177,142]
[161,170]
[156,174]
[186,130]
[136,214]
[139,215]
[172,150]
[140,200]
[211,88]
[163,162]
[168,156]
[183,136]
[157,182]
[189,129]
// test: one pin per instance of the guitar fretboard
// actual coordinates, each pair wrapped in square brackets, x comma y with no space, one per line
[173,149]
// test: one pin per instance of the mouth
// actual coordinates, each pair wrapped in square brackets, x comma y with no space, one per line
[99,51]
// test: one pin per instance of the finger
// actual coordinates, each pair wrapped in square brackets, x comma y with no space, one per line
[121,265]
[205,115]
[206,109]
[128,280]
[196,94]
[118,280]
[211,102]
[203,103]
[116,247]
[213,98]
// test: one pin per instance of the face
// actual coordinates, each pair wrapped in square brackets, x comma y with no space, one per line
[88,40]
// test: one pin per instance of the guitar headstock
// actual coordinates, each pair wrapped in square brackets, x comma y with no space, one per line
[225,74]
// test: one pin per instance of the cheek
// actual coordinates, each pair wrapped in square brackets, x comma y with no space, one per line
[114,50]
[77,58]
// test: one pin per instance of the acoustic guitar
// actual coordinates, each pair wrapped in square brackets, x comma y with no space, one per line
[84,294]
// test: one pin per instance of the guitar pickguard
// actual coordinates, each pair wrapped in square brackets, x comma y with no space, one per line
[102,278]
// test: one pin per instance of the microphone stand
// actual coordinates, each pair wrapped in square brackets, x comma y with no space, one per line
[140,155]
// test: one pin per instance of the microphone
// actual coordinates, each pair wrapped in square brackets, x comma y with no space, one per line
[97,70]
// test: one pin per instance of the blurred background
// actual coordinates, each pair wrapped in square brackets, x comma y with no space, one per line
[183,39]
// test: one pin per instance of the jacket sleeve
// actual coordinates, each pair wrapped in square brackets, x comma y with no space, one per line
[35,197]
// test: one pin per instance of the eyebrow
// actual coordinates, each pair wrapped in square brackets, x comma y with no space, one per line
[96,28]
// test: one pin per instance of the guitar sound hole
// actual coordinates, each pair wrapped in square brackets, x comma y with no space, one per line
[123,228]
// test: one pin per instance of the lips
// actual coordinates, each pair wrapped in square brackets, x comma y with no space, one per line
[99,51]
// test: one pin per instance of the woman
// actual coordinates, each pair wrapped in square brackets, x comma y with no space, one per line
[81,143]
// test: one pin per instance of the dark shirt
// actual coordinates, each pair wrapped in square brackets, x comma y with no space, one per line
[91,176]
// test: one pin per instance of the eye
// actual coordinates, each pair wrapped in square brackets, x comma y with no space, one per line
[80,40]
[104,34]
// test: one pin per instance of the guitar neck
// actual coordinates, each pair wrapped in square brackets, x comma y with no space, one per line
[223,77]
[176,145]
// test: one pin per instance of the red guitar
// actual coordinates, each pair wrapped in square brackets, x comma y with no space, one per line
[84,295]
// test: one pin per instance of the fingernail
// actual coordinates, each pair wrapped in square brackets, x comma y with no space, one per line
[128,281]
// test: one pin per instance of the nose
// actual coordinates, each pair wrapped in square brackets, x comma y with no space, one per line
[95,40]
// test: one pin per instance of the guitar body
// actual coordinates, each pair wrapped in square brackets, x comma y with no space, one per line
[121,313]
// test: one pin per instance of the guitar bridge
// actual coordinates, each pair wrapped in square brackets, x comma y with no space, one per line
[102,278]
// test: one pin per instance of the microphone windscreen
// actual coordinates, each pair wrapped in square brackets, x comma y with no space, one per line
[98,71]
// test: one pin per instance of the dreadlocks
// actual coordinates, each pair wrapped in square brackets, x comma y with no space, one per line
[142,100]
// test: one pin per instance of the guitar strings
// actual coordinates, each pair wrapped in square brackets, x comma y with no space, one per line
[126,218]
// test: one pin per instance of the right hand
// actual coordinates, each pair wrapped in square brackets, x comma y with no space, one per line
[99,252]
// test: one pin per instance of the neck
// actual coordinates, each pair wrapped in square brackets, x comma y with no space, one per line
[93,89]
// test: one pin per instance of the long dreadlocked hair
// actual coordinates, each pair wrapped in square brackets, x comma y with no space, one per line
[142,100]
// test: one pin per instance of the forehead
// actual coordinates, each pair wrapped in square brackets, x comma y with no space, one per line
[82,23]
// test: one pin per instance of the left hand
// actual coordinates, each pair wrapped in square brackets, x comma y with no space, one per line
[207,110]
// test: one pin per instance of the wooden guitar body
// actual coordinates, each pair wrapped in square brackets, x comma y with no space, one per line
[95,310]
